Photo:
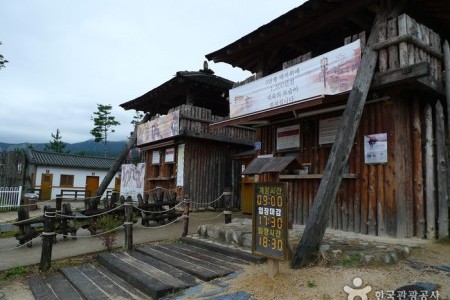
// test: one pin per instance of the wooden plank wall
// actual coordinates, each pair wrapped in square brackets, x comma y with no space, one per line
[197,119]
[403,41]
[383,199]
[208,169]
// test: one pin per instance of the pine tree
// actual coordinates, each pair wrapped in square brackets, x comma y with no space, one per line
[57,145]
[103,122]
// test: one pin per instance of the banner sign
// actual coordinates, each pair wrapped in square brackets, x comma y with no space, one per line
[270,233]
[288,137]
[132,180]
[165,126]
[328,74]
[375,148]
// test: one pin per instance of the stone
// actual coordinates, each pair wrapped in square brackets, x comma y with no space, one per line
[337,252]
[368,258]
[324,248]
[391,257]
[247,240]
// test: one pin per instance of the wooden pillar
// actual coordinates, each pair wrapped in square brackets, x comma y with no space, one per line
[329,185]
[47,238]
[441,166]
[418,171]
[429,173]
[128,224]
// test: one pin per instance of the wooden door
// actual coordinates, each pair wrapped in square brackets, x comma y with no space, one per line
[46,186]
[91,185]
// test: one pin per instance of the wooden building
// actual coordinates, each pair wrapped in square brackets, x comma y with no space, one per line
[395,180]
[181,152]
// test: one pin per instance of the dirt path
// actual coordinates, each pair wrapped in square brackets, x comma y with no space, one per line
[327,282]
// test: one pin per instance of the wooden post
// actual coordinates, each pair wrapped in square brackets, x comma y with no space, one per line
[227,205]
[446,50]
[329,185]
[58,204]
[186,216]
[128,224]
[47,238]
[418,170]
[429,174]
[441,168]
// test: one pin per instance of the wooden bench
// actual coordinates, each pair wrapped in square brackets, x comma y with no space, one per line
[75,194]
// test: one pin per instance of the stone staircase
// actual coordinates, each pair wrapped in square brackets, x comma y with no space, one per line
[149,272]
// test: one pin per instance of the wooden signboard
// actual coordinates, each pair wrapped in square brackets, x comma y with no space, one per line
[270,233]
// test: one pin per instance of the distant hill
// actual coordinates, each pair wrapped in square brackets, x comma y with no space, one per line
[89,147]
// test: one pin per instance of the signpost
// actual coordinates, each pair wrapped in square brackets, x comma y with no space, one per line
[270,231]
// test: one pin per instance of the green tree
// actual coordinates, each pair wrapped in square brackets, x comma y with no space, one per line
[103,122]
[57,145]
[2,60]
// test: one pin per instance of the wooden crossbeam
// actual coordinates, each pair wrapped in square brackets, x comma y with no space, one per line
[329,185]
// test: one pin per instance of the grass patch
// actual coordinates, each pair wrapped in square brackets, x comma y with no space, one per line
[351,260]
[445,240]
[13,273]
[22,274]
[312,283]
[8,234]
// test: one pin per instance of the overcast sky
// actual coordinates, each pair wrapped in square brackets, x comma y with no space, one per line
[66,56]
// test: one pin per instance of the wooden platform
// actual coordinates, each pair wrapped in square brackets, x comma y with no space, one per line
[149,272]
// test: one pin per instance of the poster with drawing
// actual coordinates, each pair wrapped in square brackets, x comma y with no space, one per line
[375,148]
[132,180]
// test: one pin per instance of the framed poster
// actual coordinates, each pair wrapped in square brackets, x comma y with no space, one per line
[169,155]
[375,148]
[328,129]
[270,233]
[288,137]
[156,158]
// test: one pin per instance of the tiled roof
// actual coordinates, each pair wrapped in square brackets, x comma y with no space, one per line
[69,160]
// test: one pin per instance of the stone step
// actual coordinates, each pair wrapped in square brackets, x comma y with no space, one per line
[99,283]
[145,277]
[228,251]
[52,287]
[195,268]
[177,273]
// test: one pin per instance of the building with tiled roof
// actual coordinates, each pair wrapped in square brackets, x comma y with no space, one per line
[54,173]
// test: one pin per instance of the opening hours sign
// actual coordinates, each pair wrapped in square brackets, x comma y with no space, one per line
[270,233]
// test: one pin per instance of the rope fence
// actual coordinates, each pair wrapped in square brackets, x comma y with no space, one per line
[55,221]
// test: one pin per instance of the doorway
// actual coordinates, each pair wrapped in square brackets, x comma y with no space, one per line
[46,186]
[91,185]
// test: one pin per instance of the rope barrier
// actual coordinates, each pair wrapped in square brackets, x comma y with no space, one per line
[94,235]
[200,219]
[92,216]
[20,246]
[162,226]
[158,212]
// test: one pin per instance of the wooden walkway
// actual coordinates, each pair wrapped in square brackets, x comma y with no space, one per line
[149,272]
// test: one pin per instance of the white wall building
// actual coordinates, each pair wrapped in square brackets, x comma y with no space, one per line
[59,173]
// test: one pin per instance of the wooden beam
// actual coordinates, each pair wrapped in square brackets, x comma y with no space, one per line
[329,185]
[396,76]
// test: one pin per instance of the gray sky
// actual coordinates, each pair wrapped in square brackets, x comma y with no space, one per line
[66,56]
